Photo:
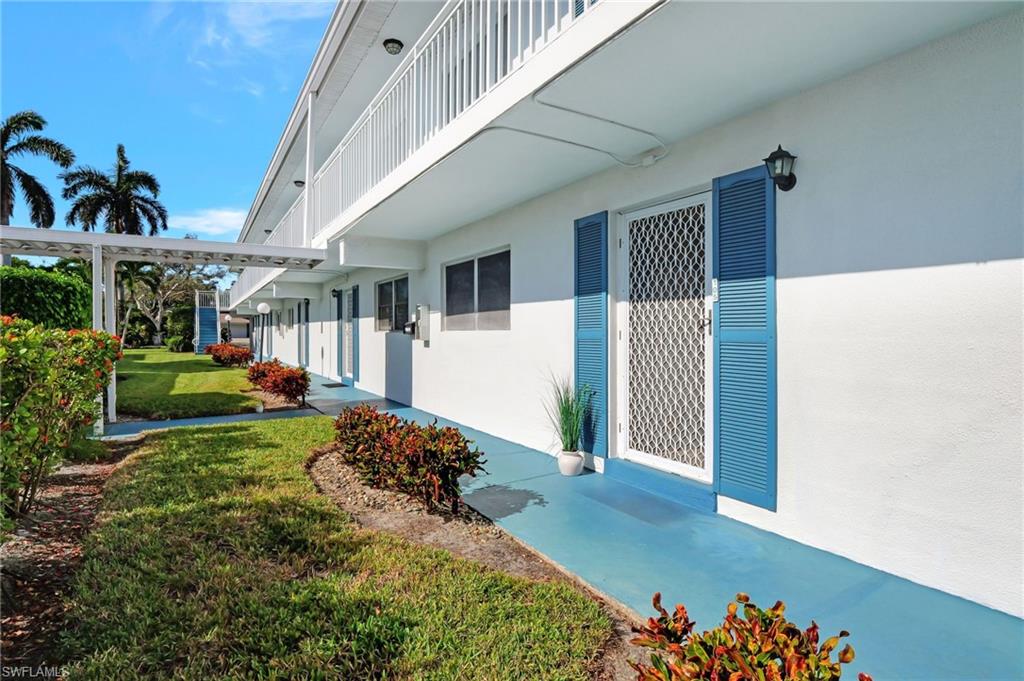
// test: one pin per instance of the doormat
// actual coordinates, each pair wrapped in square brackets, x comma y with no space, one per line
[333,385]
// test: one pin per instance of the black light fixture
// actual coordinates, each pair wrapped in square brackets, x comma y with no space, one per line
[299,183]
[393,46]
[780,168]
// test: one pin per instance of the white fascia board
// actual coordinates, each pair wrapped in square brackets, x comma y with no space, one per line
[282,290]
[345,15]
[394,254]
[600,24]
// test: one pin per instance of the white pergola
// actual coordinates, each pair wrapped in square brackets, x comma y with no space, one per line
[106,250]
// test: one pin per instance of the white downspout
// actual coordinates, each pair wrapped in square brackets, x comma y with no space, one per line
[97,318]
[307,213]
[110,314]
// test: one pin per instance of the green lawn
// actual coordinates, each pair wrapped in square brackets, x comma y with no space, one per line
[215,557]
[157,384]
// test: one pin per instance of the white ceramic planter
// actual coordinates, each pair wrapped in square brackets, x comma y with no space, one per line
[570,463]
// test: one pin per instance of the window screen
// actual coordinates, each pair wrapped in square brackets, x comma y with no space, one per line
[493,291]
[459,296]
[478,293]
[401,303]
[385,305]
[392,304]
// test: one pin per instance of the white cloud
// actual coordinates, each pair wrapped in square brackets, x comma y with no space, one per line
[261,24]
[209,222]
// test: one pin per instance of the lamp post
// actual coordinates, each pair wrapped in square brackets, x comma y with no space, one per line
[263,309]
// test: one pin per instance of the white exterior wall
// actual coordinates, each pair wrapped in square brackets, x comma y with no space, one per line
[899,312]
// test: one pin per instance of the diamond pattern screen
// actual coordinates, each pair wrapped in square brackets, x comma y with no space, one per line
[667,335]
[347,338]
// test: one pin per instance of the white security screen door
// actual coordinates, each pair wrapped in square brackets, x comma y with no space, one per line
[666,349]
[347,339]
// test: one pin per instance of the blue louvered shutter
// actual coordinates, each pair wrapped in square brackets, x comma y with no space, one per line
[355,334]
[305,335]
[591,293]
[340,330]
[744,332]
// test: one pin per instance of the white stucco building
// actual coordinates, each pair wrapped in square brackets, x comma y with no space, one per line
[577,189]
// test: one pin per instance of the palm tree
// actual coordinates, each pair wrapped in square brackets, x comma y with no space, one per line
[16,139]
[125,199]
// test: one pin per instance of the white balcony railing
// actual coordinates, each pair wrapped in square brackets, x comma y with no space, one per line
[469,48]
[288,232]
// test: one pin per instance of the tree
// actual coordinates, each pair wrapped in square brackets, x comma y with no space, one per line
[125,199]
[16,139]
[154,288]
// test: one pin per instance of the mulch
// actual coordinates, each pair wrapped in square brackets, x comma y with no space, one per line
[40,558]
[469,535]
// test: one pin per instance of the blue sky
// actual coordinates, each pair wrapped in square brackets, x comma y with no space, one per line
[198,93]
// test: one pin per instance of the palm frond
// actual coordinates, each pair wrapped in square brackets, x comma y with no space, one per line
[154,213]
[140,179]
[40,204]
[43,146]
[20,123]
[85,178]
[86,211]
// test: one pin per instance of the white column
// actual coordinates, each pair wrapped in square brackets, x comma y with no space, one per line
[307,214]
[110,314]
[97,316]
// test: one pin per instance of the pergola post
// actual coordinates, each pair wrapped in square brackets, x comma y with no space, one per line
[110,314]
[97,317]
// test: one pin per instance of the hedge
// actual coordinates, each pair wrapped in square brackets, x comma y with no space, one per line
[181,325]
[51,299]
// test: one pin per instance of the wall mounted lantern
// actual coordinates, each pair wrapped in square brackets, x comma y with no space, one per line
[780,168]
[393,46]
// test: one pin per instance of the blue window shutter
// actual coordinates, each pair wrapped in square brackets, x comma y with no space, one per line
[305,335]
[339,329]
[298,332]
[744,332]
[270,333]
[355,334]
[591,292]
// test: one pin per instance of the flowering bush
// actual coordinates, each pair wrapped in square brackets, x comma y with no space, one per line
[423,461]
[291,383]
[761,644]
[228,355]
[48,389]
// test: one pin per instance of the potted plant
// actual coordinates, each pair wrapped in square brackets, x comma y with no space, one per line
[567,409]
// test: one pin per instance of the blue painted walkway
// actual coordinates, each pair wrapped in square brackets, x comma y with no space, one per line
[629,543]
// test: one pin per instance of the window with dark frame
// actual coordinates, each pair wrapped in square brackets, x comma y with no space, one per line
[478,293]
[392,304]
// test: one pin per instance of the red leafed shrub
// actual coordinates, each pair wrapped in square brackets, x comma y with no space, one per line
[48,388]
[392,453]
[258,371]
[228,355]
[761,644]
[288,382]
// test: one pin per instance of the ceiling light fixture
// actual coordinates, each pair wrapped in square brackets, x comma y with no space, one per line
[393,46]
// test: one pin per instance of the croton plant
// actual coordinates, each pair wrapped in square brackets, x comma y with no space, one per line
[760,645]
[49,387]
